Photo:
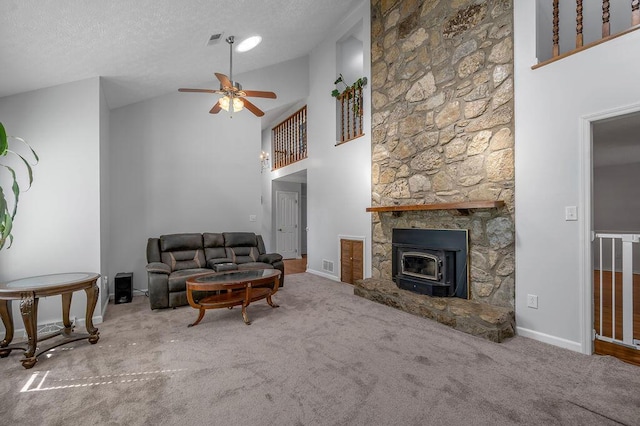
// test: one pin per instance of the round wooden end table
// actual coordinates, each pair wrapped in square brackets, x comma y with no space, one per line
[28,291]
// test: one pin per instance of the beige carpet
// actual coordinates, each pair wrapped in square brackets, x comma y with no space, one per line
[325,357]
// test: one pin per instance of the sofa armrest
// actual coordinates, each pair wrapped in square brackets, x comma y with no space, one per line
[158,267]
[269,258]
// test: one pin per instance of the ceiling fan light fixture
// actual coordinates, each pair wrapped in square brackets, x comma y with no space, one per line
[238,104]
[249,43]
[224,103]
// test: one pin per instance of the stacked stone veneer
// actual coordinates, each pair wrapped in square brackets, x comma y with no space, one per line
[442,122]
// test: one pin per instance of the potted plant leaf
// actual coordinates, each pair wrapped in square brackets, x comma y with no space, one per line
[11,187]
[350,91]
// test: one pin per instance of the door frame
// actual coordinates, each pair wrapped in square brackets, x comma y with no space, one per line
[297,233]
[585,211]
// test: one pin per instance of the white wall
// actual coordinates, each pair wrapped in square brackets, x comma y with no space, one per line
[57,228]
[291,84]
[105,201]
[616,196]
[338,177]
[552,104]
[616,203]
[177,168]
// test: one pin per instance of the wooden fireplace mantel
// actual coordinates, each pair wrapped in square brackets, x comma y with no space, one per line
[462,206]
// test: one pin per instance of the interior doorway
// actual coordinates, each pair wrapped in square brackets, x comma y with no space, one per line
[287,224]
[289,215]
[615,203]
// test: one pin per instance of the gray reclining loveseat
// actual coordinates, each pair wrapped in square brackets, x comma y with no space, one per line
[174,258]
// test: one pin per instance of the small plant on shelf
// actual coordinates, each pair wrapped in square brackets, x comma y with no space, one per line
[360,83]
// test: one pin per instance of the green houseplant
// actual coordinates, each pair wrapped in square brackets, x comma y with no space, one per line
[350,91]
[9,206]
[359,83]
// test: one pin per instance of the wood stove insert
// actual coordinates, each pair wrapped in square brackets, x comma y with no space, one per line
[431,261]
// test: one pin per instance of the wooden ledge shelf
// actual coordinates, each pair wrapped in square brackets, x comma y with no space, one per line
[462,206]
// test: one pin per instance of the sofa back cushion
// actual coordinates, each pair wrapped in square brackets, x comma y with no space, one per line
[153,250]
[240,239]
[182,251]
[213,246]
[242,254]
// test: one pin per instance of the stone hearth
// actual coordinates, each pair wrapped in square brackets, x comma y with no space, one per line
[479,319]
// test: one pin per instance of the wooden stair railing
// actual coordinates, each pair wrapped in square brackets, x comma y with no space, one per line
[350,106]
[289,139]
[606,28]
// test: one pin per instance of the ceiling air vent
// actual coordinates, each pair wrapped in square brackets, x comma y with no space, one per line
[214,39]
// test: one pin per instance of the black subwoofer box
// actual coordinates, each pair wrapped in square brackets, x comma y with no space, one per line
[123,283]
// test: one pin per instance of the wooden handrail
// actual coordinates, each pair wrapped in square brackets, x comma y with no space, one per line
[351,114]
[289,139]
[606,28]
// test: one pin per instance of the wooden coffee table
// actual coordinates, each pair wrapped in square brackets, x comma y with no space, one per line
[233,288]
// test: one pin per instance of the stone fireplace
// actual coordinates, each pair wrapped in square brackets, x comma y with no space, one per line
[442,133]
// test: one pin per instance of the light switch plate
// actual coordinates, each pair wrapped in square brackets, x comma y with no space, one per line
[571,213]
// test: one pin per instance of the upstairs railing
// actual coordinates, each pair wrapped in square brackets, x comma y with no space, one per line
[561,24]
[350,110]
[289,139]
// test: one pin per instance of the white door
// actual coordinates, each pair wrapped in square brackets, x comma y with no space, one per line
[287,224]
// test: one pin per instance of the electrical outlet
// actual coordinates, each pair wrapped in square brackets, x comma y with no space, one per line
[253,218]
[532,301]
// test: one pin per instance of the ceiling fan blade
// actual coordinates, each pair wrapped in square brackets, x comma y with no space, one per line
[251,107]
[198,90]
[259,94]
[224,80]
[216,108]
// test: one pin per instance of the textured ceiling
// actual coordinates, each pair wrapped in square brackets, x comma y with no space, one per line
[146,48]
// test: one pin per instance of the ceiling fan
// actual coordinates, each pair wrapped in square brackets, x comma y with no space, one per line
[234,97]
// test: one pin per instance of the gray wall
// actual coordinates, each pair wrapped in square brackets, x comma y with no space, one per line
[57,228]
[177,168]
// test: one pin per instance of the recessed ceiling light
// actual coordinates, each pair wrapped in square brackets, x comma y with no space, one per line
[249,43]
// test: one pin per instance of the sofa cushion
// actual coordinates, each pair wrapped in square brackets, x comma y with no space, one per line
[178,279]
[174,242]
[242,254]
[240,239]
[153,250]
[211,263]
[254,265]
[211,239]
[187,259]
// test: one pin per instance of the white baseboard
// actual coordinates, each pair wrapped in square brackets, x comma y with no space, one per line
[323,274]
[547,338]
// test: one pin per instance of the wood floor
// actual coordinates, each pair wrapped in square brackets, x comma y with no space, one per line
[295,266]
[604,348]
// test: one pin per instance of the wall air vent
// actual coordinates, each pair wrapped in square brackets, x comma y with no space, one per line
[214,39]
[327,265]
